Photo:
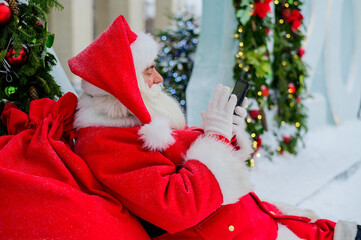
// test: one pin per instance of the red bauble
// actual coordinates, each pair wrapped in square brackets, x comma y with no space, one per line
[5,14]
[286,13]
[298,99]
[259,142]
[16,60]
[291,88]
[266,30]
[301,52]
[265,91]
[286,139]
[254,114]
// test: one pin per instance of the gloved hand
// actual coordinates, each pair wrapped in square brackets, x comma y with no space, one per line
[219,116]
[238,118]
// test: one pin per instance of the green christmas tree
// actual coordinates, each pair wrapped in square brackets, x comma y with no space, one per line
[175,62]
[25,64]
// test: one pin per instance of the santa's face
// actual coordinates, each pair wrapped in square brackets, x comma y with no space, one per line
[159,103]
[151,76]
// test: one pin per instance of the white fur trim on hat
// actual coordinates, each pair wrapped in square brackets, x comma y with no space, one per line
[157,135]
[144,50]
[230,172]
[92,90]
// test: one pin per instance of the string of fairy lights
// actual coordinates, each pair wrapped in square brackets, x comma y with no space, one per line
[281,78]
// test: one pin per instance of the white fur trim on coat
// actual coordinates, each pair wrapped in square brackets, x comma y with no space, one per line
[230,172]
[285,234]
[157,135]
[345,230]
[288,209]
[245,143]
[144,50]
[97,112]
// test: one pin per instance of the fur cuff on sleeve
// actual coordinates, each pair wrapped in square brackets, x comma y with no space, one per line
[288,209]
[345,231]
[230,172]
[245,144]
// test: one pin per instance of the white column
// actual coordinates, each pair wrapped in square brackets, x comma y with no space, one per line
[108,10]
[73,28]
[163,9]
[214,59]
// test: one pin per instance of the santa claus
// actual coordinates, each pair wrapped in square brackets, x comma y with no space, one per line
[180,182]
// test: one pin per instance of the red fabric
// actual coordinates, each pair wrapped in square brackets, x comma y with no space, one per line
[252,219]
[108,64]
[150,184]
[47,191]
[247,218]
[182,198]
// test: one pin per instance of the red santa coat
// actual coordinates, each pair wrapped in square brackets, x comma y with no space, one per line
[177,189]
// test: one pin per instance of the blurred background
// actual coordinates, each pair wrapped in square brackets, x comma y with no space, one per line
[81,21]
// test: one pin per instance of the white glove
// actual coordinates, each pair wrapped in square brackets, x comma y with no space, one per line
[238,118]
[219,116]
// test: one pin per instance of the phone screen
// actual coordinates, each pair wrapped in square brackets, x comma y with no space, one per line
[240,90]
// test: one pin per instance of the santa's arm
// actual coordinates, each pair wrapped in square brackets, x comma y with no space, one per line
[148,184]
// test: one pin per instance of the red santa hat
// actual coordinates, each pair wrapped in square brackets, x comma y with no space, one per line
[112,62]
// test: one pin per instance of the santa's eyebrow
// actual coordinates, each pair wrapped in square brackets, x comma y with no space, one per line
[152,66]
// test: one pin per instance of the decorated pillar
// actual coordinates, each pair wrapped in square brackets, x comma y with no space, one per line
[214,58]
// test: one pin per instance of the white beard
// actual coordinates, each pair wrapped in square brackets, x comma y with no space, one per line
[160,104]
[96,103]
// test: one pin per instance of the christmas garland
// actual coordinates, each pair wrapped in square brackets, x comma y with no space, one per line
[24,61]
[289,73]
[175,61]
[253,63]
[277,85]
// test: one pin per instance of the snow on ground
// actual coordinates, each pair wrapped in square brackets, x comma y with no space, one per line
[325,176]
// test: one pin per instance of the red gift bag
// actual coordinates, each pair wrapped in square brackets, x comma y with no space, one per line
[46,190]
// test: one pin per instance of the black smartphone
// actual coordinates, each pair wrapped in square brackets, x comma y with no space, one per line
[240,90]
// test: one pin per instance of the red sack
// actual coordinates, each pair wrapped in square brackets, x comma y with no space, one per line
[46,190]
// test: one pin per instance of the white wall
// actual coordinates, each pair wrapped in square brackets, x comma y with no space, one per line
[333,52]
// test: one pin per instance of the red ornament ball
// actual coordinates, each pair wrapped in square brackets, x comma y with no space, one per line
[39,23]
[301,52]
[291,88]
[298,99]
[254,114]
[5,14]
[265,91]
[259,142]
[286,139]
[16,60]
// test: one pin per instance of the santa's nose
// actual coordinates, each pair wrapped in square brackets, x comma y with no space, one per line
[158,78]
